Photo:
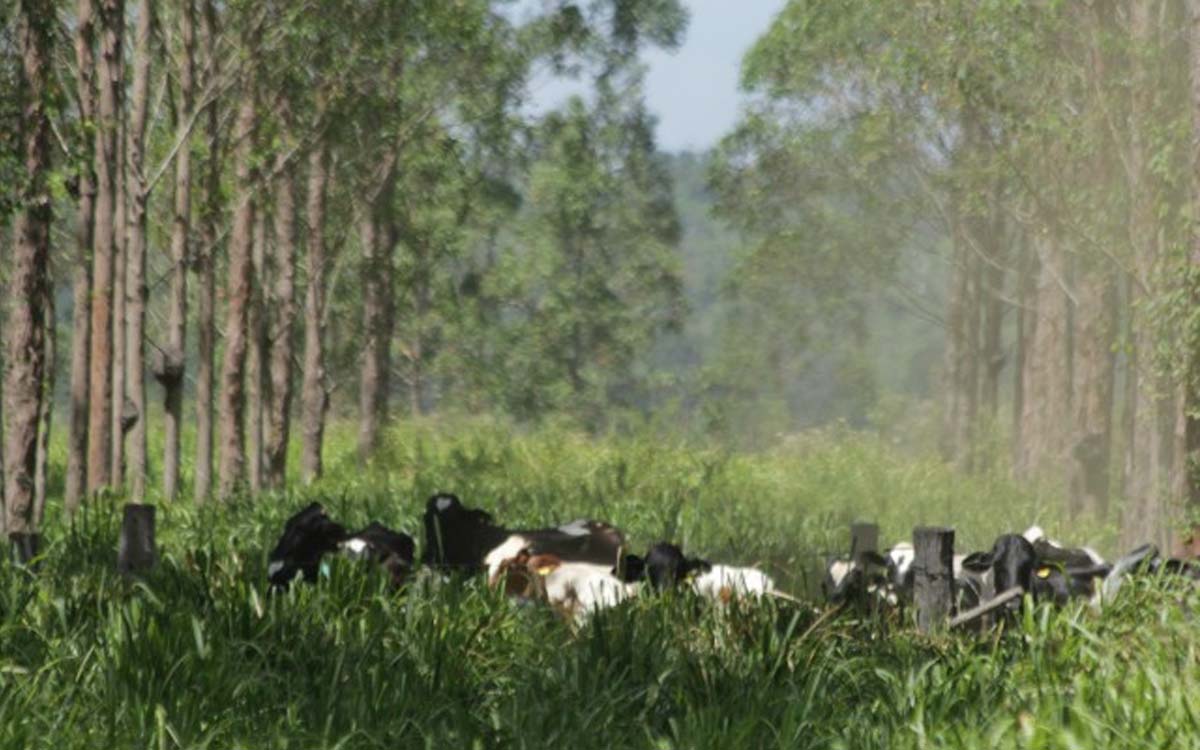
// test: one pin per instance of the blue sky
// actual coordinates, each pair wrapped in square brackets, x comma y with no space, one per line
[694,90]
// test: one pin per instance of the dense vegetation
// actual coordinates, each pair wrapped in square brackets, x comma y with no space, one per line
[198,654]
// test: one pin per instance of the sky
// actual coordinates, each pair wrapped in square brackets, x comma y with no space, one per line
[694,90]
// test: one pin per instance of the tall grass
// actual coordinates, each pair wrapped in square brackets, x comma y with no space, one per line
[197,654]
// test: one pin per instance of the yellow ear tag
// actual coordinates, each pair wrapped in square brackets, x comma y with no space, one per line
[1043,572]
[545,570]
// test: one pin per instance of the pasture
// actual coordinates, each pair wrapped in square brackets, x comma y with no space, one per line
[199,654]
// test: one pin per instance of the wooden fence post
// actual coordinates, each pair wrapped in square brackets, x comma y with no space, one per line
[136,551]
[933,576]
[864,539]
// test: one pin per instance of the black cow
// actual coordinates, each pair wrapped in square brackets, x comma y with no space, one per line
[307,536]
[1014,561]
[468,540]
[393,550]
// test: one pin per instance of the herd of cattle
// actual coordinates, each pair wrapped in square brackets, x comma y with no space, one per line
[582,566]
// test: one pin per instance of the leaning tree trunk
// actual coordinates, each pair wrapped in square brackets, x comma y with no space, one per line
[314,395]
[100,386]
[169,371]
[232,406]
[283,304]
[135,260]
[206,317]
[77,433]
[26,324]
[256,360]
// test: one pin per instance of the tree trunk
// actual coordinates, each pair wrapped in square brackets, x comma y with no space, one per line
[206,316]
[314,395]
[26,325]
[1026,317]
[1191,386]
[283,305]
[100,386]
[46,407]
[256,361]
[1088,462]
[135,259]
[378,239]
[1046,381]
[233,370]
[171,373]
[120,229]
[77,434]
[993,357]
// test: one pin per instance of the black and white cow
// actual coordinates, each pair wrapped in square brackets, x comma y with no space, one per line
[307,536]
[310,534]
[1044,570]
[394,551]
[1143,560]
[465,539]
[886,579]
[665,566]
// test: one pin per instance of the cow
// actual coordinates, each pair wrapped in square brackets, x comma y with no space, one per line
[665,567]
[574,589]
[1045,571]
[1144,559]
[468,540]
[307,536]
[886,579]
[392,550]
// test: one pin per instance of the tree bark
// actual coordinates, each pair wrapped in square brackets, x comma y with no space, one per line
[1191,385]
[256,360]
[283,304]
[314,394]
[135,259]
[26,326]
[77,434]
[172,371]
[240,282]
[206,318]
[120,229]
[378,239]
[1026,317]
[46,407]
[100,386]
[1046,380]
[1088,462]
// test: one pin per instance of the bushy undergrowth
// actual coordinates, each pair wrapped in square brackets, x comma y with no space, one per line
[198,654]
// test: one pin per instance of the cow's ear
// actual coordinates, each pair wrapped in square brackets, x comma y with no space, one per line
[978,562]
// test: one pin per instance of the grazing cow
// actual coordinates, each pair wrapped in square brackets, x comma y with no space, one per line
[393,550]
[574,589]
[468,540]
[307,536]
[1014,561]
[665,566]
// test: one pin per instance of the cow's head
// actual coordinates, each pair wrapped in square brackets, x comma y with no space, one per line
[1014,562]
[307,536]
[664,566]
[454,534]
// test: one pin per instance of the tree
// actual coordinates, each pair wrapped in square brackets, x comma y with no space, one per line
[170,369]
[77,435]
[232,469]
[26,324]
[135,256]
[100,390]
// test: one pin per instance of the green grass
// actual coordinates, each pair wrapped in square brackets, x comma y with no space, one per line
[199,655]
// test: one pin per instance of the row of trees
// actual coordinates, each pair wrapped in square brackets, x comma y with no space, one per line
[200,175]
[1048,151]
